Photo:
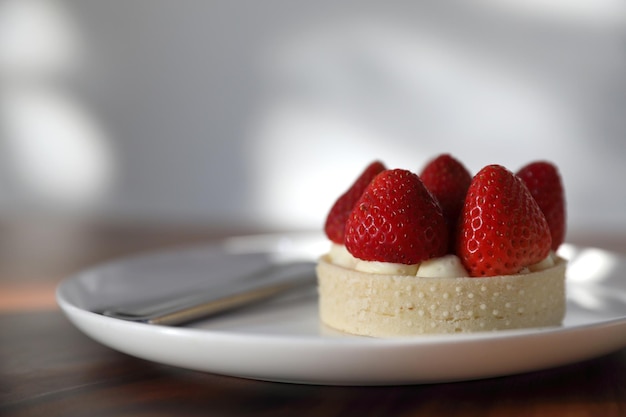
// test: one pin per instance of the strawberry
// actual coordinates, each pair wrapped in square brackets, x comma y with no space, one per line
[544,183]
[501,228]
[448,180]
[396,220]
[336,220]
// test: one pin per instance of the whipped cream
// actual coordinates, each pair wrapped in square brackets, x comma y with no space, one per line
[447,266]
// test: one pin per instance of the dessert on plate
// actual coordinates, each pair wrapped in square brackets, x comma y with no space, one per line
[445,251]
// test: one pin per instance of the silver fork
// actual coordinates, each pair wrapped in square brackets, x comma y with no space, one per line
[269,282]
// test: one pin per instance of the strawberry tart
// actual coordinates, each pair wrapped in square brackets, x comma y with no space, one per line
[444,251]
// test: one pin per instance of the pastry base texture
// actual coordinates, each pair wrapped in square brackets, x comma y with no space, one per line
[392,305]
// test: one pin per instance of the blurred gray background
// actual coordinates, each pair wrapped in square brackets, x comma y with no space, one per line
[261,113]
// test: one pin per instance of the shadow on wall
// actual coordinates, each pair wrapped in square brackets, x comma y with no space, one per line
[55,152]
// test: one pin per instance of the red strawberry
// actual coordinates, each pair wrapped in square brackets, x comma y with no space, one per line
[396,220]
[448,180]
[544,183]
[501,228]
[336,220]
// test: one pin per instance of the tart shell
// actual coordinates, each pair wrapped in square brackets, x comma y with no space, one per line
[394,305]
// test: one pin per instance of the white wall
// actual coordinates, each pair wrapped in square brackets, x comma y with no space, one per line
[263,112]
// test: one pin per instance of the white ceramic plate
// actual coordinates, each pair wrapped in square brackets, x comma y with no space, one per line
[282,340]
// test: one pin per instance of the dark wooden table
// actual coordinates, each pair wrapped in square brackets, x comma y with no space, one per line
[48,368]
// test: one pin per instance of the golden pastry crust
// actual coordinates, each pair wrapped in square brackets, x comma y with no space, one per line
[394,305]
